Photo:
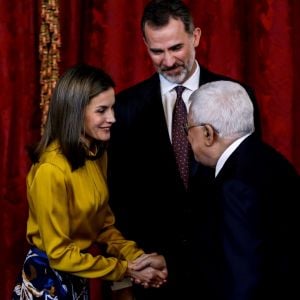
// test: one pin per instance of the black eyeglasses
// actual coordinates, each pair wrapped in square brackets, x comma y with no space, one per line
[187,127]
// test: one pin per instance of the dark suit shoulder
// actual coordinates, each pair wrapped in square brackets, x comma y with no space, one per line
[262,162]
[142,89]
[209,76]
[139,102]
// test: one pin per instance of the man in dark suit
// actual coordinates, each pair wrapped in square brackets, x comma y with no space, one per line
[251,227]
[150,201]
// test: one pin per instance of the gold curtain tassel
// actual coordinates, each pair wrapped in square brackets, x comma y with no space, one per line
[49,54]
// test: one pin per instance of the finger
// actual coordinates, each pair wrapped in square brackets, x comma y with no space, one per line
[136,280]
[157,284]
[144,256]
[141,264]
[162,275]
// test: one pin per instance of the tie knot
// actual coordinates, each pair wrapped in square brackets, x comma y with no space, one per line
[179,90]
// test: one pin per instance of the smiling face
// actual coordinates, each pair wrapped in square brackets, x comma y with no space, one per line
[172,50]
[99,116]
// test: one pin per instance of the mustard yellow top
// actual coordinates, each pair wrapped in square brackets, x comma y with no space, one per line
[68,211]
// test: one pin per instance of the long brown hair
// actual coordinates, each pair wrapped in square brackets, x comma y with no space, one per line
[72,93]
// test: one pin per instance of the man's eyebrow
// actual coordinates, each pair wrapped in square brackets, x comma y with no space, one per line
[170,48]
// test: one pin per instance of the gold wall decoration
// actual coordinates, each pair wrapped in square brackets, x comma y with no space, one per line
[49,44]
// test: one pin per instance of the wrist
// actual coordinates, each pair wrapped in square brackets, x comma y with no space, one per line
[128,272]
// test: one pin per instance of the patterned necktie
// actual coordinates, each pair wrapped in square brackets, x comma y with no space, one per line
[179,139]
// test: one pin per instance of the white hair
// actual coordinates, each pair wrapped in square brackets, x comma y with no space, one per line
[225,105]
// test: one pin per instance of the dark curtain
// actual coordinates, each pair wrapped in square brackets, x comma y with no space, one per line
[253,41]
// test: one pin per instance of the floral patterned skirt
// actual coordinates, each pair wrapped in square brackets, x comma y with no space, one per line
[38,281]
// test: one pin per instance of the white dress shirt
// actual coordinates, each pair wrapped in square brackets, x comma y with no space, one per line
[169,95]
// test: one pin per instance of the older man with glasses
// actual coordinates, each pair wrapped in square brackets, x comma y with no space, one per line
[251,229]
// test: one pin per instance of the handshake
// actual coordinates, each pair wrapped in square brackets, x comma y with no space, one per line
[149,270]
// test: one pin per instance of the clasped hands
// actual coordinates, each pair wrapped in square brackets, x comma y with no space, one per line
[149,270]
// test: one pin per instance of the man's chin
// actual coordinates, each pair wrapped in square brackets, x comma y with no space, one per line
[177,78]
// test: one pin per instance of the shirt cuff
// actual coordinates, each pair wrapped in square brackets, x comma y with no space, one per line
[118,285]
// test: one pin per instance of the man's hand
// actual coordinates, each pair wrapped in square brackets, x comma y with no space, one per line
[150,260]
[149,270]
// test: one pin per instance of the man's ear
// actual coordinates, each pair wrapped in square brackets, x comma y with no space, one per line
[197,36]
[209,134]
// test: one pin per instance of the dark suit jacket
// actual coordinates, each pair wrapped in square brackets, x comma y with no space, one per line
[148,198]
[252,227]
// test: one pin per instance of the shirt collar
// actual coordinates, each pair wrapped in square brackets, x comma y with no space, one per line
[226,154]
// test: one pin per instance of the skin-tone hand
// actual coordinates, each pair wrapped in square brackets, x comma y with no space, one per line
[150,260]
[149,270]
[147,276]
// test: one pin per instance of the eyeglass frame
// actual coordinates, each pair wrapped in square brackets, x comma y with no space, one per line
[187,127]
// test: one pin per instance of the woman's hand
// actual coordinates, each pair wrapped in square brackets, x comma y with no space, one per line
[149,270]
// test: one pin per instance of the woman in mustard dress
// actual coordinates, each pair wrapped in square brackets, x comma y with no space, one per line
[68,197]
